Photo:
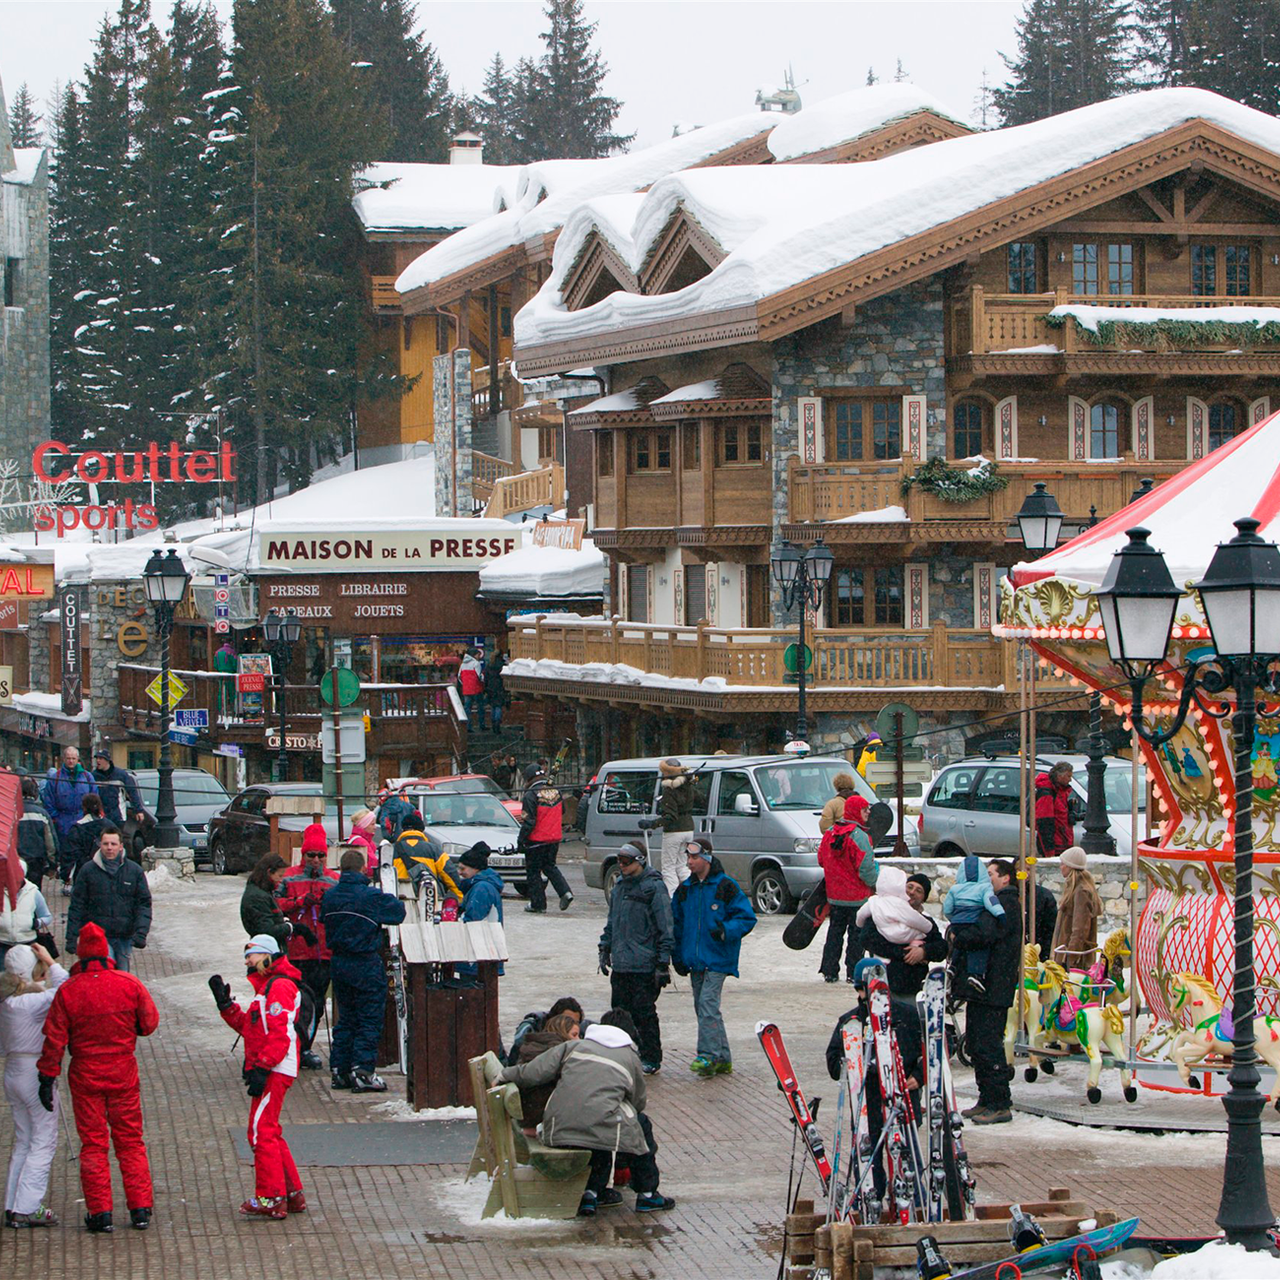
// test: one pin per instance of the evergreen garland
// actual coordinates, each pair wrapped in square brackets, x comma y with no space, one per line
[953,484]
[1182,334]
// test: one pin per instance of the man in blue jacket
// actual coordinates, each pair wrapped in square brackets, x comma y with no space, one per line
[353,913]
[711,917]
[64,788]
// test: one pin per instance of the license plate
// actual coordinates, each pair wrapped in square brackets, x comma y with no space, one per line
[506,860]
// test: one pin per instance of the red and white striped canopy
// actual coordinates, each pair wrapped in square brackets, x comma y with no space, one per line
[1188,515]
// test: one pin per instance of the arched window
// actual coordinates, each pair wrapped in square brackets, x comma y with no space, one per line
[967,435]
[1225,423]
[1104,430]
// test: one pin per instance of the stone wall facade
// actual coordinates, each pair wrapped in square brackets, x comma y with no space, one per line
[451,397]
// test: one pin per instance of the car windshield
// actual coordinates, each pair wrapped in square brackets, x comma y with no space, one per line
[470,786]
[188,788]
[805,784]
[442,809]
[1119,786]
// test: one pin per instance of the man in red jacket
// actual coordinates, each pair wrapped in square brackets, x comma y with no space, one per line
[300,893]
[541,827]
[97,1016]
[1054,830]
[270,1067]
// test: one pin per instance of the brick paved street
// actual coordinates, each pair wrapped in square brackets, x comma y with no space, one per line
[724,1143]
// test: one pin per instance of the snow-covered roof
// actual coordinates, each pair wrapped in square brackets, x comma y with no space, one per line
[1188,514]
[430,197]
[546,573]
[26,165]
[781,226]
[549,191]
[849,116]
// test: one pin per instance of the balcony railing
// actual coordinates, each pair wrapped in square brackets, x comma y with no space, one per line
[484,400]
[526,490]
[884,657]
[486,471]
[1012,322]
[383,295]
[834,490]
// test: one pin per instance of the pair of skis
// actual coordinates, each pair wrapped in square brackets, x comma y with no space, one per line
[388,881]
[780,1060]
[950,1175]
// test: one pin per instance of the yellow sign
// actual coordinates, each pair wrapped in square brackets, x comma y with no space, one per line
[177,690]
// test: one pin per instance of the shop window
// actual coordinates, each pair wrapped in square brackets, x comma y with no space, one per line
[968,429]
[865,429]
[1104,430]
[1225,423]
[1087,261]
[604,453]
[662,450]
[638,592]
[695,594]
[641,451]
[691,442]
[1022,267]
[851,606]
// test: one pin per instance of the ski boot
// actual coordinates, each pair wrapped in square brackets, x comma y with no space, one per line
[265,1207]
[140,1219]
[39,1217]
[364,1081]
[1024,1230]
[339,1079]
[930,1264]
[296,1201]
[99,1223]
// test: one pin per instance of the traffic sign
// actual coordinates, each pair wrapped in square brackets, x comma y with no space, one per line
[889,790]
[186,737]
[191,718]
[791,658]
[177,690]
[348,686]
[887,724]
[885,772]
[233,749]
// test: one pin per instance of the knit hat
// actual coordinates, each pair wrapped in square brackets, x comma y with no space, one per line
[315,839]
[261,944]
[670,768]
[632,850]
[412,822]
[363,820]
[855,808]
[92,943]
[873,736]
[20,961]
[477,856]
[1074,859]
[103,749]
[923,881]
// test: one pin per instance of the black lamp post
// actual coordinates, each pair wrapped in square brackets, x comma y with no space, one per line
[281,632]
[1040,520]
[165,578]
[1240,592]
[802,579]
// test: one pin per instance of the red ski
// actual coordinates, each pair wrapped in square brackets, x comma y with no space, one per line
[780,1060]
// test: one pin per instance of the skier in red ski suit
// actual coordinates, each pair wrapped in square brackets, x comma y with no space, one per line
[97,1016]
[270,1066]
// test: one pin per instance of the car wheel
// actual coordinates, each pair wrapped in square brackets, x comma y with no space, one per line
[770,895]
[610,879]
[947,850]
[218,858]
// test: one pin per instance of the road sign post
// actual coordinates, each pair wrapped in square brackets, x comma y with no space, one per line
[896,723]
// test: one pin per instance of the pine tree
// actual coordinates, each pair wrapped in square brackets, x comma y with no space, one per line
[1233,47]
[401,73]
[872,78]
[494,110]
[528,122]
[24,120]
[1161,42]
[575,118]
[900,74]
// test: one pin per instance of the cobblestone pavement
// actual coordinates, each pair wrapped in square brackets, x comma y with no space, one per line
[724,1143]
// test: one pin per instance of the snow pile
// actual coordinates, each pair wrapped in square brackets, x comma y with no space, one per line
[401,1109]
[885,515]
[161,880]
[1090,317]
[1219,1261]
[709,390]
[26,165]
[429,197]
[784,225]
[851,115]
[49,707]
[546,571]
[609,673]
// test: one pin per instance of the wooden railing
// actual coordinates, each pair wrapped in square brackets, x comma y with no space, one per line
[484,402]
[833,490]
[486,471]
[983,322]
[526,490]
[382,293]
[883,657]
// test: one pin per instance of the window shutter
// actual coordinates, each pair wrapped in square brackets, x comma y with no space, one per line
[917,591]
[712,592]
[1006,429]
[812,445]
[915,443]
[1197,428]
[1144,432]
[984,594]
[1259,410]
[1078,441]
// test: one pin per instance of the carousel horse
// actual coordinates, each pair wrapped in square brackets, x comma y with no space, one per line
[1030,1007]
[1107,983]
[1071,1020]
[1207,1027]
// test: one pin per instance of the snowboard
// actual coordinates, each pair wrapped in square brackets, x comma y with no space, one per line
[780,1060]
[1060,1252]
[814,908]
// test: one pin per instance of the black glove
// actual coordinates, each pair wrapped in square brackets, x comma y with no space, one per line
[306,933]
[46,1091]
[681,969]
[605,959]
[256,1080]
[662,976]
[649,824]
[221,992]
[717,933]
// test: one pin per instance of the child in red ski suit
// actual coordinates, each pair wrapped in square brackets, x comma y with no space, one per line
[97,1016]
[270,1067]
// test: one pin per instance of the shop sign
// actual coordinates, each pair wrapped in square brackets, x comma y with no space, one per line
[27,582]
[559,533]
[417,551]
[376,604]
[72,675]
[8,615]
[293,741]
[6,686]
[36,726]
[252,672]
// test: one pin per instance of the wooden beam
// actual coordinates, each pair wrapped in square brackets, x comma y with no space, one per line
[848,316]
[1144,194]
[1180,228]
[1201,206]
[1179,203]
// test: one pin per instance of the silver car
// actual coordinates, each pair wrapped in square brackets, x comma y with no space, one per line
[459,820]
[972,805]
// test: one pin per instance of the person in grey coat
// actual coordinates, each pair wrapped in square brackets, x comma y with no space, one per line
[598,1106]
[636,944]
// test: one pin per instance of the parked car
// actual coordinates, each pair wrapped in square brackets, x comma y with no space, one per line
[241,833]
[460,783]
[972,806]
[761,813]
[458,819]
[197,796]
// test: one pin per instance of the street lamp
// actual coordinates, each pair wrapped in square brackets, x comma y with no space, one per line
[802,579]
[1040,520]
[1240,593]
[281,632]
[165,578]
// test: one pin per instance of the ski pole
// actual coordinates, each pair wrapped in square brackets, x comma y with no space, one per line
[836,1138]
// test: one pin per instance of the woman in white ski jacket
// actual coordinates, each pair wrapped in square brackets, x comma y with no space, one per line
[22,920]
[24,1002]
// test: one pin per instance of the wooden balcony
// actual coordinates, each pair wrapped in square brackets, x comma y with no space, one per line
[383,295]
[408,716]
[486,471]
[940,668]
[833,491]
[525,490]
[485,401]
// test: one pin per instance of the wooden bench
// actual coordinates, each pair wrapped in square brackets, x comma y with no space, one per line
[528,1178]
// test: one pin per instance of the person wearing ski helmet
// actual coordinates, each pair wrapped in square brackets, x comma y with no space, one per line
[271,1054]
[541,827]
[636,945]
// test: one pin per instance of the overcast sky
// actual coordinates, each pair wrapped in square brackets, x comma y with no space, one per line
[687,61]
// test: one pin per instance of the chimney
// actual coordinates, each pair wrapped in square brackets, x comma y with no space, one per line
[466,148]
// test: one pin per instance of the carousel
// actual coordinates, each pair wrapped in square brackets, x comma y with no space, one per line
[1131,608]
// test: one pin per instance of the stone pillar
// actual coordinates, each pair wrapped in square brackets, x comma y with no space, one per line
[451,394]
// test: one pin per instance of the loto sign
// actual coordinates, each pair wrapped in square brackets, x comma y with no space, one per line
[559,533]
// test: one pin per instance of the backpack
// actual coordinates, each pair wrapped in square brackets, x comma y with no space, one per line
[305,1018]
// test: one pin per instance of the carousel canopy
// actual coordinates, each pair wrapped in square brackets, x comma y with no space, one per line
[1188,515]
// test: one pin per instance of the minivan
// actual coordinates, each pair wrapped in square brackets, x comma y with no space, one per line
[760,812]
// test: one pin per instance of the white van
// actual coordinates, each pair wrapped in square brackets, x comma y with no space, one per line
[760,812]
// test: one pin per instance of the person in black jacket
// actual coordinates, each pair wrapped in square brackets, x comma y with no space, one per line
[907,963]
[1046,918]
[82,842]
[37,836]
[111,892]
[116,786]
[988,1010]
